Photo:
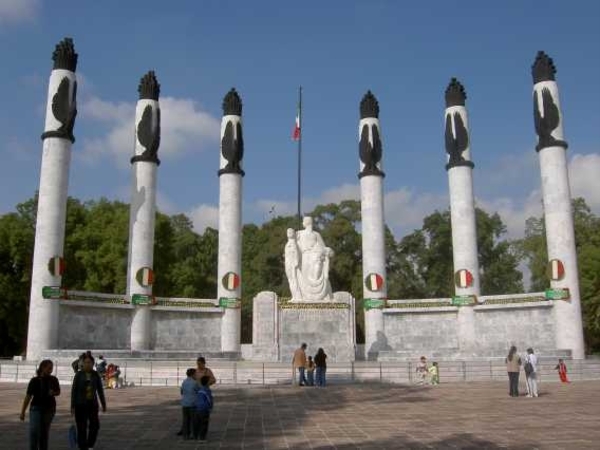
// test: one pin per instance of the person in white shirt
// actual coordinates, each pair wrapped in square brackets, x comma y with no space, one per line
[531,373]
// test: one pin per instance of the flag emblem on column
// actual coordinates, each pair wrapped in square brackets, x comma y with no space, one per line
[56,266]
[374,282]
[296,131]
[463,278]
[556,270]
[231,281]
[145,276]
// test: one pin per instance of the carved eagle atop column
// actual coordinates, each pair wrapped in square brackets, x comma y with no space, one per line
[64,100]
[232,143]
[370,151]
[543,69]
[148,129]
[456,137]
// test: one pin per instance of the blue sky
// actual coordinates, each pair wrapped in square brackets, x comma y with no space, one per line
[405,52]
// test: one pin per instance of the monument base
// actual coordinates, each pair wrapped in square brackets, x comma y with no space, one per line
[279,327]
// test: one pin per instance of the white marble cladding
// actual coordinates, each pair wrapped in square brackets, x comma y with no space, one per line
[56,77]
[265,320]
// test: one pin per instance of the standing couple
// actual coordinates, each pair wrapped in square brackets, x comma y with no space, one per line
[530,366]
[301,364]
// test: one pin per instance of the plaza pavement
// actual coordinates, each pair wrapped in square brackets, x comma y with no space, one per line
[366,416]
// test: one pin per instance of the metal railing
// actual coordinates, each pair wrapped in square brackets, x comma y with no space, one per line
[245,373]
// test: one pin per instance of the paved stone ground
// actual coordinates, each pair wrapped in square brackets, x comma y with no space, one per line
[476,415]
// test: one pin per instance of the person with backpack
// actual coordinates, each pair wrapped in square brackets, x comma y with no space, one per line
[204,405]
[513,367]
[530,368]
[41,391]
[86,391]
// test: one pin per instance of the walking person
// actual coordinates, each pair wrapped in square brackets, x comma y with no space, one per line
[204,405]
[513,367]
[562,371]
[41,391]
[321,363]
[531,373]
[189,390]
[86,391]
[299,363]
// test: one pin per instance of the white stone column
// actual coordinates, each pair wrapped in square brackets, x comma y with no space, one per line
[462,211]
[52,199]
[373,225]
[558,214]
[230,222]
[143,209]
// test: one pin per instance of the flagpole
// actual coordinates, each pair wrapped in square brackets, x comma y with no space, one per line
[300,158]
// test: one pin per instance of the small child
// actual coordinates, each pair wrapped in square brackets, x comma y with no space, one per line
[434,373]
[562,371]
[310,371]
[204,405]
[189,390]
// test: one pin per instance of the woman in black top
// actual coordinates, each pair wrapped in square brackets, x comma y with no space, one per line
[41,392]
[86,390]
[320,360]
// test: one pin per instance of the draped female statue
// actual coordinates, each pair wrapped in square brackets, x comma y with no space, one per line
[307,262]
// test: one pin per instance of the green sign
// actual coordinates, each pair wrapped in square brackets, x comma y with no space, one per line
[142,299]
[373,303]
[464,300]
[558,294]
[225,302]
[53,292]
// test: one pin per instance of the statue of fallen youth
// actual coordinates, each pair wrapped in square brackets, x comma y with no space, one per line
[307,261]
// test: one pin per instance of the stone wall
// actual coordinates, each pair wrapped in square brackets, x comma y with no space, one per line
[87,325]
[435,331]
[186,329]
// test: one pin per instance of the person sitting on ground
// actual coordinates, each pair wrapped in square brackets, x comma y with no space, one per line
[422,370]
[310,371]
[434,374]
[562,371]
[204,405]
[189,390]
[202,370]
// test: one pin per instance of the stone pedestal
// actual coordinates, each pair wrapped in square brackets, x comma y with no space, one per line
[265,318]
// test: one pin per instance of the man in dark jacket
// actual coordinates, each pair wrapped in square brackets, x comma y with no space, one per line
[85,393]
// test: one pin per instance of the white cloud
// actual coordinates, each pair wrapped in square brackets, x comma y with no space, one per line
[204,216]
[184,127]
[584,176]
[14,11]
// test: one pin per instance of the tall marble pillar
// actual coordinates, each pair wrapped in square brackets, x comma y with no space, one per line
[373,225]
[558,214]
[230,173]
[462,202]
[462,211]
[61,109]
[143,210]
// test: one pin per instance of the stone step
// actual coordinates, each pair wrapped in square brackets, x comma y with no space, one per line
[149,355]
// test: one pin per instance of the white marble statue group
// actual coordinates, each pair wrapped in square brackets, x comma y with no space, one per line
[307,262]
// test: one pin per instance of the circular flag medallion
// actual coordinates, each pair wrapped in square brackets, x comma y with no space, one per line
[463,278]
[56,266]
[231,281]
[145,276]
[556,270]
[374,282]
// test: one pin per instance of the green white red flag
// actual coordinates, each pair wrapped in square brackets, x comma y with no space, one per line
[296,132]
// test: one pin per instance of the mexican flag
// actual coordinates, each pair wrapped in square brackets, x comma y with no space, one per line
[374,282]
[463,278]
[556,270]
[56,266]
[231,281]
[145,276]
[296,132]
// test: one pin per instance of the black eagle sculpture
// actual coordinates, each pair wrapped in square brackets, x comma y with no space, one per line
[232,149]
[548,122]
[148,135]
[64,109]
[456,145]
[232,143]
[370,154]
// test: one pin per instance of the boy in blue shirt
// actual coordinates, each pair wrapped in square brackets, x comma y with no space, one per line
[189,390]
[204,404]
